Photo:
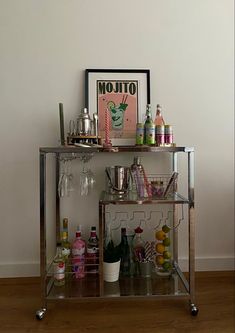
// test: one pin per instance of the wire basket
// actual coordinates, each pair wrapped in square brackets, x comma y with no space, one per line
[156,186]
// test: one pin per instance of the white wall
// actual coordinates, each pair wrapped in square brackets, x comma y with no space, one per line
[45,47]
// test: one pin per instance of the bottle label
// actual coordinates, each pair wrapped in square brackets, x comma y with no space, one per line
[150,135]
[59,271]
[140,135]
[160,139]
[78,252]
[65,252]
[92,250]
[168,138]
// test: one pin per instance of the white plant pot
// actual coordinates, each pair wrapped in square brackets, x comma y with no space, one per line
[111,271]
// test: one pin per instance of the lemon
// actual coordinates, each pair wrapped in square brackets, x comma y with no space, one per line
[159,260]
[165,228]
[160,235]
[160,248]
[110,105]
[166,255]
[166,242]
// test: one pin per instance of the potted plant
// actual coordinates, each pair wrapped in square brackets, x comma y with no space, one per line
[112,256]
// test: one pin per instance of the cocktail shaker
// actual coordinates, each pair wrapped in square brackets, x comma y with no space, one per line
[84,123]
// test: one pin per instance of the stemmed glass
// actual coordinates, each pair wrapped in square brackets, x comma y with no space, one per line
[65,185]
[87,179]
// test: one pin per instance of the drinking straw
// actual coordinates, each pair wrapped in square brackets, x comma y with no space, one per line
[148,251]
[107,129]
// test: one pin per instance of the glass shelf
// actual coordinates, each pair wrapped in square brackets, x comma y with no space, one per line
[89,287]
[114,149]
[132,198]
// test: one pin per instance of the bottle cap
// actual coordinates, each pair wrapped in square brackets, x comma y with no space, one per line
[79,228]
[65,222]
[138,230]
[93,228]
[137,160]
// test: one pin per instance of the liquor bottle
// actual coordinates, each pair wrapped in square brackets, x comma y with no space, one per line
[138,249]
[92,256]
[140,181]
[78,255]
[59,267]
[149,127]
[66,246]
[125,253]
[159,121]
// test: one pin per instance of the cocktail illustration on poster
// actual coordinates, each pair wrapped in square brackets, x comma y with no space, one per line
[120,99]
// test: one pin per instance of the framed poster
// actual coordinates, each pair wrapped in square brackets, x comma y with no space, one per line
[124,94]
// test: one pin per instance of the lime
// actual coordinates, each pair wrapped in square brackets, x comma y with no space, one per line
[167,266]
[166,241]
[166,255]
[160,235]
[165,228]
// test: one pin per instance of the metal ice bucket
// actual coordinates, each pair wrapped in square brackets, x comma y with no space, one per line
[117,179]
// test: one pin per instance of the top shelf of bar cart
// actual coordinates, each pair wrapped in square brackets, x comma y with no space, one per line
[114,149]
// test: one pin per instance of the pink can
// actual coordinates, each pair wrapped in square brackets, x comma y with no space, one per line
[168,134]
[160,135]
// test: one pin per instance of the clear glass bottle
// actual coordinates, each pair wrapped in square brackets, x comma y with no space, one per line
[59,267]
[139,179]
[92,255]
[78,255]
[138,249]
[66,246]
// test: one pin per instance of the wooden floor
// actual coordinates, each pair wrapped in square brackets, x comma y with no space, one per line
[19,298]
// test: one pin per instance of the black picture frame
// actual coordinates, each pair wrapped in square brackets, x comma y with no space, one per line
[129,86]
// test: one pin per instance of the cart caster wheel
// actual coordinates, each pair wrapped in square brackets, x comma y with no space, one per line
[40,313]
[194,310]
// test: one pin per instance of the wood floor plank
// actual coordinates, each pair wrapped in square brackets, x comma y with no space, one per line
[19,298]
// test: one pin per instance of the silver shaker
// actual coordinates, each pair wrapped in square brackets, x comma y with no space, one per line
[84,123]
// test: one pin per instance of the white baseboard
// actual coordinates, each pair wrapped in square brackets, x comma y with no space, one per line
[19,270]
[209,264]
[202,264]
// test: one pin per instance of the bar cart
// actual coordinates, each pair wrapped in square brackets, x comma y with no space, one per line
[93,286]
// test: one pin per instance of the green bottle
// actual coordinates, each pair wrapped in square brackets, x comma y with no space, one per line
[149,127]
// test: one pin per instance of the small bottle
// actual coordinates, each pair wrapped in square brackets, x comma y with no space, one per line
[93,252]
[66,246]
[59,267]
[149,128]
[159,121]
[78,255]
[125,254]
[138,248]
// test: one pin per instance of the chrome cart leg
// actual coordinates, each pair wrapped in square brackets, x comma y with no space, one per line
[194,310]
[40,313]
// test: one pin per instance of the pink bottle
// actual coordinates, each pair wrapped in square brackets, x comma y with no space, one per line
[78,256]
[159,121]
